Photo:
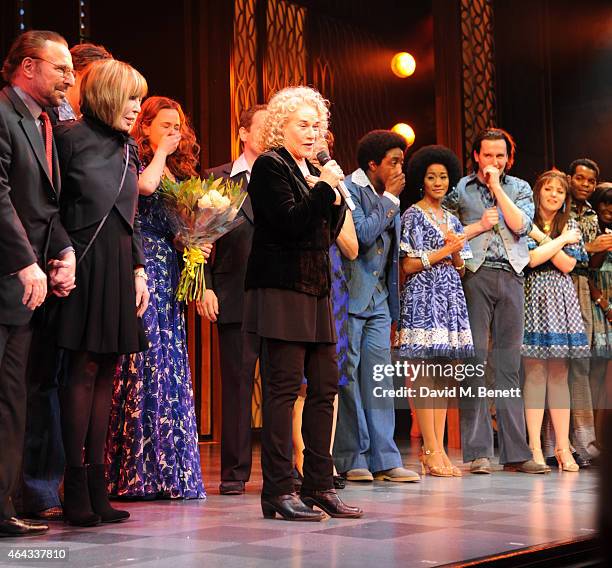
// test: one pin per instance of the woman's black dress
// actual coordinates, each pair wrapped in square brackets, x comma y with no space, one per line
[99,315]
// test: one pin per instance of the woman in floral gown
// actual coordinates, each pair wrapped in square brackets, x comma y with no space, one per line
[152,447]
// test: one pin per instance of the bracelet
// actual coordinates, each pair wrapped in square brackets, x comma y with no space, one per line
[140,273]
[425,261]
[460,267]
[545,240]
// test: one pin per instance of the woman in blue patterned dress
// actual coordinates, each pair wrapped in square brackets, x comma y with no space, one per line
[554,330]
[433,321]
[152,447]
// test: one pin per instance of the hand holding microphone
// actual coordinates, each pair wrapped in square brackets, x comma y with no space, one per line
[491,175]
[324,159]
[331,174]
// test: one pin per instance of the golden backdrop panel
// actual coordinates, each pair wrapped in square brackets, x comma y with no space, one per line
[243,68]
[479,105]
[285,57]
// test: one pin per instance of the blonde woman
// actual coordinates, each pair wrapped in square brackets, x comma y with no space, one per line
[100,320]
[288,302]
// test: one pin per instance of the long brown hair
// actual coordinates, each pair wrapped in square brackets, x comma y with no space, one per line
[184,161]
[561,216]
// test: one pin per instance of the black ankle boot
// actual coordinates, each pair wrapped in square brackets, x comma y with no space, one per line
[99,496]
[77,506]
[289,507]
[329,502]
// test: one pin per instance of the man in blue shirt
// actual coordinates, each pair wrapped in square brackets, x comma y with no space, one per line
[364,448]
[497,212]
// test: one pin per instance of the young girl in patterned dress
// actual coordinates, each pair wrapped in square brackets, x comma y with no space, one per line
[554,330]
[433,321]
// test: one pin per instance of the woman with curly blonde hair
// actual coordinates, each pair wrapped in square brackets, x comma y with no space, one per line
[287,302]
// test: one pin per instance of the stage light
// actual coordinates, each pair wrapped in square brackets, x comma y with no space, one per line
[406,131]
[403,64]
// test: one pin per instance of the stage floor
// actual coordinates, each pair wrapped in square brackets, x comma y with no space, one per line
[436,521]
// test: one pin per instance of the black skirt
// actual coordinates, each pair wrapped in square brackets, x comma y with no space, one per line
[99,315]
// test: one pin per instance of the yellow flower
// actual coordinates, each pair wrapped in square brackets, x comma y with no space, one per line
[193,257]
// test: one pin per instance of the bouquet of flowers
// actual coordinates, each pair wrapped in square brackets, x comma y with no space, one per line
[200,211]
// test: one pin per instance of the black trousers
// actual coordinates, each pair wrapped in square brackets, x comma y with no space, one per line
[288,363]
[43,456]
[239,352]
[14,348]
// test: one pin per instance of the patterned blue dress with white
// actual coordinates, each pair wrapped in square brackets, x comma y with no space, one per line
[152,446]
[553,321]
[433,320]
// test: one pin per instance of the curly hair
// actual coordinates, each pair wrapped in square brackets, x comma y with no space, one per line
[425,157]
[601,195]
[282,104]
[561,216]
[184,161]
[375,144]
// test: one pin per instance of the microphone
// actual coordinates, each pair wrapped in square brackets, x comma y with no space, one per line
[323,157]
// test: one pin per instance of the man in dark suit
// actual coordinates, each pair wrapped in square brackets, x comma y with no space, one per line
[223,304]
[43,456]
[38,68]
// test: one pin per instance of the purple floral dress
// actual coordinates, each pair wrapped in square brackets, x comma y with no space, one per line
[152,446]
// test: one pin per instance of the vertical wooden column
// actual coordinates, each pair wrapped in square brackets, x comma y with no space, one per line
[465,91]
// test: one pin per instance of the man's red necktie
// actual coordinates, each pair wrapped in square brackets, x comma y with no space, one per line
[48,136]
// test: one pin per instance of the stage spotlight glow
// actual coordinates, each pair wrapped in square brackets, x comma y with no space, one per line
[406,131]
[403,64]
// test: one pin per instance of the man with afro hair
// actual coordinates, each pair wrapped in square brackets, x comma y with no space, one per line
[364,448]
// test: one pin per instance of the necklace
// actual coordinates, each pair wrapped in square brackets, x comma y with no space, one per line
[439,221]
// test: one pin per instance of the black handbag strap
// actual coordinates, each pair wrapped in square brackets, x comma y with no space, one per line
[101,223]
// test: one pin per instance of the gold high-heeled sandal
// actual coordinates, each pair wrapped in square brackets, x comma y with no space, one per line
[435,470]
[569,464]
[455,471]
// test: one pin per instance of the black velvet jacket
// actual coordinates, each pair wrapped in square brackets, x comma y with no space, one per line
[294,227]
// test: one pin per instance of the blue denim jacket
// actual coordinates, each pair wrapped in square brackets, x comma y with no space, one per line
[373,217]
[466,202]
